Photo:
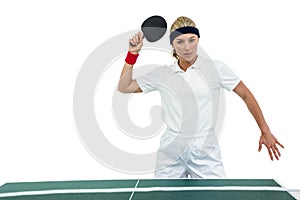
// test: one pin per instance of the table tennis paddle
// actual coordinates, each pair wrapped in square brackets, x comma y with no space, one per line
[154,28]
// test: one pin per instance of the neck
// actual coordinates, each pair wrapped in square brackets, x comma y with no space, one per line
[184,64]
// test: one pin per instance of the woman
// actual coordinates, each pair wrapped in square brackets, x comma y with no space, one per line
[190,90]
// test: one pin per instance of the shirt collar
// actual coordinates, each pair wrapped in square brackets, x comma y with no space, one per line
[175,67]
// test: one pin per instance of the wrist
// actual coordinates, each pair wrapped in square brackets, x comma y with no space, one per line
[131,58]
[265,130]
[134,52]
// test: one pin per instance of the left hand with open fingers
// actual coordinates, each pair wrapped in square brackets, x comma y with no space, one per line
[270,141]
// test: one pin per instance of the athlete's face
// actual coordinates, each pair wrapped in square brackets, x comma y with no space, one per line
[185,46]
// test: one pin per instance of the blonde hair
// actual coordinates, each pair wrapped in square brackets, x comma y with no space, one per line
[179,23]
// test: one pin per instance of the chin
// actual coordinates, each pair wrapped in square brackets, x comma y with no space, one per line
[190,58]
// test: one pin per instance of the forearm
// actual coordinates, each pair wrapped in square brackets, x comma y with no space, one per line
[256,112]
[125,78]
[253,106]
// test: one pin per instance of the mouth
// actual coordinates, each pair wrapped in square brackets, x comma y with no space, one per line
[187,54]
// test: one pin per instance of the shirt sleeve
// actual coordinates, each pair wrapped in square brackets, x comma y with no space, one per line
[148,82]
[229,80]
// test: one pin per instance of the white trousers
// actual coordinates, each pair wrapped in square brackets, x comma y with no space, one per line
[181,157]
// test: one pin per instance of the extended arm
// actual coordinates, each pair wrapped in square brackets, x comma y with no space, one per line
[266,138]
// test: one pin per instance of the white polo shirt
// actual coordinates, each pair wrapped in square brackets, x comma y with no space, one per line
[190,100]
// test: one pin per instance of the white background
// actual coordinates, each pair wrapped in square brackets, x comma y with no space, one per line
[43,45]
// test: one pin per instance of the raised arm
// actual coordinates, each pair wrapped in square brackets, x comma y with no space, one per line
[266,138]
[126,84]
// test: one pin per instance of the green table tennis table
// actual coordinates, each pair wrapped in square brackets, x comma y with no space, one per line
[154,189]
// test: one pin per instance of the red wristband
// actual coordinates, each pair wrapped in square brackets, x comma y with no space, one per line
[131,58]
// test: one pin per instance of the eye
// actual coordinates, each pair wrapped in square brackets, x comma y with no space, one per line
[192,40]
[179,41]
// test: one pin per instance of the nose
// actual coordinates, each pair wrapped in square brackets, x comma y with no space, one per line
[187,45]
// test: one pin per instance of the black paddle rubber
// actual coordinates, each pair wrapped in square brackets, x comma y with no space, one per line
[154,28]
